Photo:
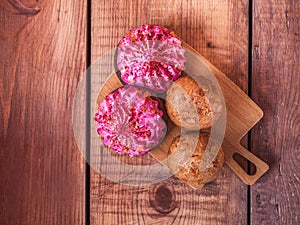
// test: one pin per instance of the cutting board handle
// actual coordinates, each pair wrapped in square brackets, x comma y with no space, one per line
[261,166]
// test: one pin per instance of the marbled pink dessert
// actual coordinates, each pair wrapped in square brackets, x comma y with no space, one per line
[151,57]
[130,121]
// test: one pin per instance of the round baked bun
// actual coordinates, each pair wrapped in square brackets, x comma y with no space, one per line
[130,121]
[151,57]
[193,163]
[193,105]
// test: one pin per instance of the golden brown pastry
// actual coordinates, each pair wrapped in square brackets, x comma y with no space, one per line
[191,105]
[191,162]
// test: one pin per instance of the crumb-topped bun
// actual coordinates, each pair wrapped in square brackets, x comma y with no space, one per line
[192,162]
[151,57]
[193,105]
[130,121]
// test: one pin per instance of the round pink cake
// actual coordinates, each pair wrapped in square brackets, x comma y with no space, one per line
[151,57]
[130,121]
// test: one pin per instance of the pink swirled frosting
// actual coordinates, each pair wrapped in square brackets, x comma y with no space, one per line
[130,121]
[150,56]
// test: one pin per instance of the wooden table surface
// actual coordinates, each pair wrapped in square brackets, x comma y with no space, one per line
[46,47]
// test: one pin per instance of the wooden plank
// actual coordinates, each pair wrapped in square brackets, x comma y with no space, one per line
[275,199]
[43,54]
[218,30]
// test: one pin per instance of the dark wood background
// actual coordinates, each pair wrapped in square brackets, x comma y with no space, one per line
[45,49]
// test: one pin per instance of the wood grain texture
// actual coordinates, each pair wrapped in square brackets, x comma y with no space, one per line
[276,87]
[219,31]
[43,53]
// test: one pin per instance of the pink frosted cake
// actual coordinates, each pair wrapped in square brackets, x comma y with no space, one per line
[151,57]
[130,121]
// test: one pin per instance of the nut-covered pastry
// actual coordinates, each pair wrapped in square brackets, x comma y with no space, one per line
[193,105]
[130,121]
[194,160]
[150,56]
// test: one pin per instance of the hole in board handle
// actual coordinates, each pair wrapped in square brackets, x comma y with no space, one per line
[245,164]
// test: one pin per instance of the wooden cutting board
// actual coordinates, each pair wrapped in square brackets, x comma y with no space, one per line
[242,115]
